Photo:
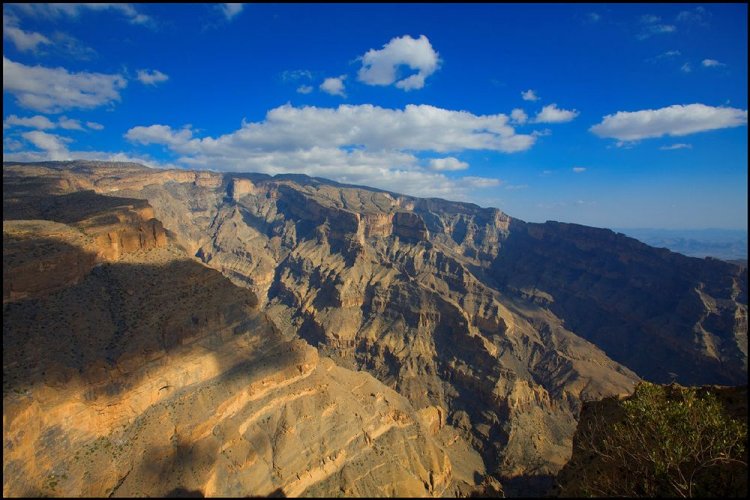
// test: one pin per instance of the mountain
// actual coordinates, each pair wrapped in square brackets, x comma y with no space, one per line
[477,334]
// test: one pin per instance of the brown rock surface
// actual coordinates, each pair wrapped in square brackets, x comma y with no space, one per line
[500,326]
[155,375]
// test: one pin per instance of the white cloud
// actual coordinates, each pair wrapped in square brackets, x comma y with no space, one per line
[686,68]
[529,95]
[23,40]
[334,85]
[650,30]
[698,15]
[52,90]
[448,163]
[68,123]
[53,145]
[294,75]
[676,120]
[56,10]
[553,114]
[664,55]
[67,45]
[231,9]
[579,170]
[481,182]
[151,77]
[304,89]
[159,134]
[519,116]
[650,19]
[676,146]
[516,187]
[416,127]
[40,122]
[361,144]
[380,67]
[712,63]
[37,122]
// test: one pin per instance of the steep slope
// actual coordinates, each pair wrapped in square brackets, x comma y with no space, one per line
[496,328]
[143,372]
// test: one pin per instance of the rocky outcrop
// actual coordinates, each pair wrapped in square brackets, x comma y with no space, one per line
[409,226]
[42,256]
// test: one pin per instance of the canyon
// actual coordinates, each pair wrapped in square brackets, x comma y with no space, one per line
[232,334]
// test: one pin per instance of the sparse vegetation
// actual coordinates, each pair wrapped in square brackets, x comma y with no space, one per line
[663,441]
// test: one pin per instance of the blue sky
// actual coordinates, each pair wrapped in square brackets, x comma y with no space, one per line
[621,115]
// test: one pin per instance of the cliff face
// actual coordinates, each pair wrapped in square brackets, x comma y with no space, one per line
[130,369]
[493,330]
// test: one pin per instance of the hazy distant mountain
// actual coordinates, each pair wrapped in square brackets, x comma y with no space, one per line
[356,335]
[726,244]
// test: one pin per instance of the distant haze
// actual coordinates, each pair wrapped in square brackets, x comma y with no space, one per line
[727,244]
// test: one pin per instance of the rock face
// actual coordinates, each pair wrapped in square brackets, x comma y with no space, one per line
[144,372]
[495,331]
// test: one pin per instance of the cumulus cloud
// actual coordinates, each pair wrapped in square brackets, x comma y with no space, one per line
[334,85]
[151,77]
[52,90]
[23,40]
[519,116]
[416,127]
[304,89]
[529,95]
[69,123]
[579,170]
[553,114]
[53,145]
[672,147]
[231,9]
[361,144]
[380,67]
[676,120]
[56,10]
[40,122]
[449,163]
[712,63]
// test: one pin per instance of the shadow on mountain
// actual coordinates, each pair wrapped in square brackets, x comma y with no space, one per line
[622,295]
[99,317]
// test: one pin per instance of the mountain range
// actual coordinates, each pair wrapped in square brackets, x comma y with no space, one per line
[194,332]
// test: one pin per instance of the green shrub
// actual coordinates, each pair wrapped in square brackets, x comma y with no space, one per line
[665,441]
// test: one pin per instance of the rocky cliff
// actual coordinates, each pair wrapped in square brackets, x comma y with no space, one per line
[494,330]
